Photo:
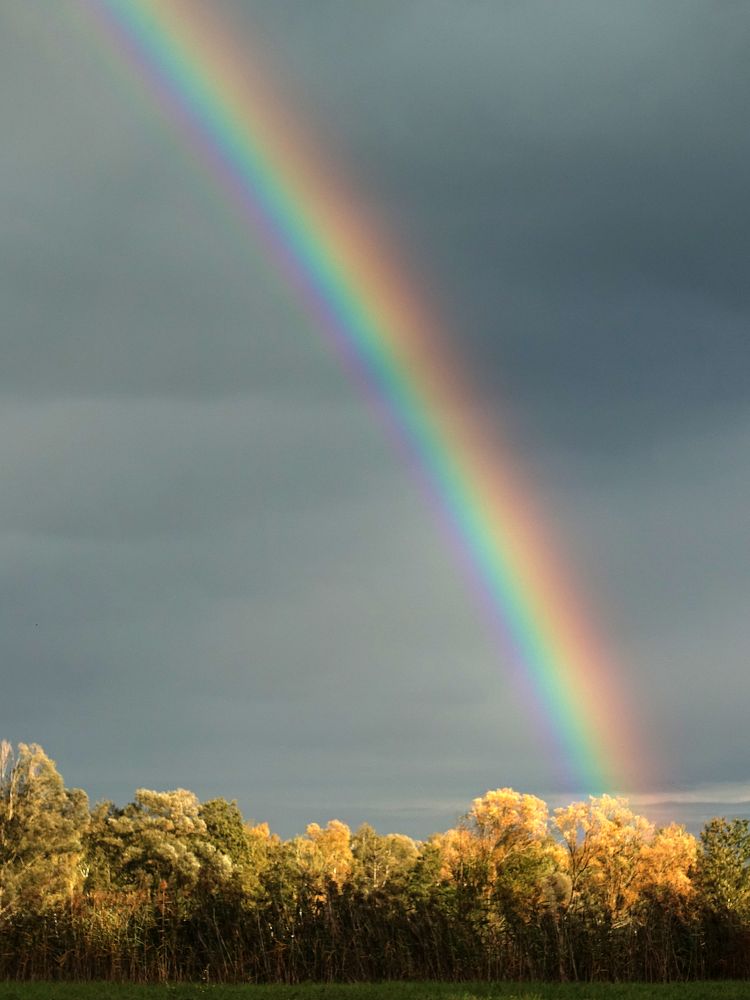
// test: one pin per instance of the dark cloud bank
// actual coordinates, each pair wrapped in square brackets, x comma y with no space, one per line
[214,571]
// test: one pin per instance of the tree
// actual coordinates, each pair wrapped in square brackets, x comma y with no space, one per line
[161,841]
[41,826]
[603,840]
[325,855]
[225,829]
[381,860]
[667,865]
[724,868]
[506,836]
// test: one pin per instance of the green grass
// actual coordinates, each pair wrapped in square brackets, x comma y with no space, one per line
[381,991]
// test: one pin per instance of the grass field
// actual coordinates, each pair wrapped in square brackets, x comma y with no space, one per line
[381,991]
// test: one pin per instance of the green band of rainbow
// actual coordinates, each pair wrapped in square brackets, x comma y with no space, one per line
[350,279]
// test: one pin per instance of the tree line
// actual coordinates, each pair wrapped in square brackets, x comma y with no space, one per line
[171,888]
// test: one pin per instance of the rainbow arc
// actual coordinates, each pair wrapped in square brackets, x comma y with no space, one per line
[355,284]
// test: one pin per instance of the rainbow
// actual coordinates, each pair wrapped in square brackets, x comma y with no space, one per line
[350,277]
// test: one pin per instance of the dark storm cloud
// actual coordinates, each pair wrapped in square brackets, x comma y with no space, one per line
[213,572]
[672,585]
[576,173]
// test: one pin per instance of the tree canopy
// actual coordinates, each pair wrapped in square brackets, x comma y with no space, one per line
[168,887]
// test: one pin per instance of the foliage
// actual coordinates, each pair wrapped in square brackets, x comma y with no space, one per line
[41,826]
[168,889]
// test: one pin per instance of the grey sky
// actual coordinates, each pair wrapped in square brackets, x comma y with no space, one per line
[214,570]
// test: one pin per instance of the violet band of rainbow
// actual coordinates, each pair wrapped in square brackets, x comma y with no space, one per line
[350,280]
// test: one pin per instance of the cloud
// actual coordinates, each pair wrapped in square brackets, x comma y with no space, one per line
[212,561]
[721,793]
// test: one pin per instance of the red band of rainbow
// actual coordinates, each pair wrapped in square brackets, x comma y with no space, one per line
[366,306]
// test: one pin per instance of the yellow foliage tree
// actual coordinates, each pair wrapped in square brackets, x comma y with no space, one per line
[604,842]
[667,864]
[502,854]
[326,855]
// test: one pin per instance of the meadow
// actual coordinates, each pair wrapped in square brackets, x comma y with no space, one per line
[725,990]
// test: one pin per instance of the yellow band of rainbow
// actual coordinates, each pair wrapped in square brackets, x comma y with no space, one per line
[360,292]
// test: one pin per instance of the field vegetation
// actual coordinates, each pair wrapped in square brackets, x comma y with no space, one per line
[722,990]
[171,890]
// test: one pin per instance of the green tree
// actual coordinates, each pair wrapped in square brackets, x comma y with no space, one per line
[724,867]
[225,829]
[381,860]
[159,841]
[41,826]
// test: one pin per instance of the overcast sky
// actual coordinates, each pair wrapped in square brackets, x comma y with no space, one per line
[215,571]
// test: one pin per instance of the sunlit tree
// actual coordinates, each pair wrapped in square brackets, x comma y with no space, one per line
[381,860]
[603,840]
[41,829]
[325,855]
